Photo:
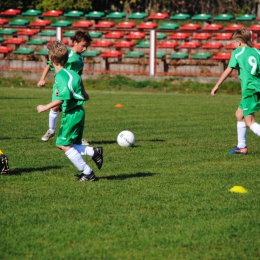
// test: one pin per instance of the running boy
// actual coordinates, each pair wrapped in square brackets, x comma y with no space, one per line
[246,60]
[75,62]
[71,99]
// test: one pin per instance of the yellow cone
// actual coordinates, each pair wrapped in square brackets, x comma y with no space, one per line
[238,189]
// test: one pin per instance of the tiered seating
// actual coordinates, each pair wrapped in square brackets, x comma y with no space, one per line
[10,12]
[190,27]
[201,36]
[158,16]
[135,36]
[126,25]
[53,13]
[124,44]
[147,25]
[114,35]
[82,24]
[3,21]
[32,12]
[168,44]
[40,23]
[223,36]
[179,36]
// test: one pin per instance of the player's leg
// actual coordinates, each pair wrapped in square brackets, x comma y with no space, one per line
[53,118]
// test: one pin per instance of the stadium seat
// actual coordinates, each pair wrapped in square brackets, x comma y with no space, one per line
[116,15]
[43,52]
[69,33]
[114,35]
[212,27]
[19,22]
[47,33]
[230,46]
[40,23]
[91,53]
[32,12]
[74,14]
[223,17]
[126,25]
[222,56]
[94,34]
[254,28]
[10,12]
[28,32]
[169,26]
[246,17]
[14,40]
[135,54]
[5,49]
[3,21]
[39,41]
[190,27]
[82,24]
[190,45]
[179,36]
[65,41]
[233,27]
[223,36]
[143,44]
[95,15]
[135,36]
[168,44]
[201,36]
[1,39]
[158,16]
[8,31]
[62,23]
[212,45]
[101,43]
[159,55]
[201,17]
[53,13]
[201,56]
[124,44]
[112,54]
[159,36]
[137,15]
[180,16]
[147,25]
[104,24]
[179,55]
[256,45]
[23,50]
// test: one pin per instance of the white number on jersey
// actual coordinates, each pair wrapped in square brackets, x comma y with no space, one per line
[252,61]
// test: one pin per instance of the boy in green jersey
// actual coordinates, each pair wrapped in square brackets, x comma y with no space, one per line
[246,60]
[75,62]
[69,97]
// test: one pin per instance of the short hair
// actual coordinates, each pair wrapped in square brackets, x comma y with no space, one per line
[58,53]
[81,35]
[244,35]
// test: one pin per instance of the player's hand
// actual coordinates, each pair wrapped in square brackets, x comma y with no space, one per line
[86,96]
[41,83]
[41,108]
[214,91]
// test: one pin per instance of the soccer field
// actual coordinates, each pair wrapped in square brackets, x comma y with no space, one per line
[165,198]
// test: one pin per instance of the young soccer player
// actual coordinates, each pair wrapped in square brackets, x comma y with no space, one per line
[246,60]
[75,62]
[69,97]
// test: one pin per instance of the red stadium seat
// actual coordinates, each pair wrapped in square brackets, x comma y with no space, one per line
[190,45]
[14,40]
[53,13]
[190,27]
[135,36]
[223,36]
[104,24]
[212,27]
[124,44]
[126,25]
[212,45]
[114,35]
[201,36]
[179,36]
[112,54]
[233,27]
[222,56]
[83,24]
[158,16]
[65,41]
[230,46]
[256,45]
[147,25]
[3,21]
[254,28]
[11,12]
[101,43]
[5,49]
[40,23]
[168,44]
[28,32]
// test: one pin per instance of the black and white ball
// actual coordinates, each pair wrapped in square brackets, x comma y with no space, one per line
[126,138]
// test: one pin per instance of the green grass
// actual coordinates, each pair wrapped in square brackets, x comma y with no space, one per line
[166,198]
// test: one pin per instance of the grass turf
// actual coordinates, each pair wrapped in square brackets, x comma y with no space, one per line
[166,198]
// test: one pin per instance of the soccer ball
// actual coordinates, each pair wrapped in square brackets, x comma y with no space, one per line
[126,138]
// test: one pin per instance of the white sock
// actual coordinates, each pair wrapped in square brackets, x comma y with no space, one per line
[78,161]
[255,128]
[84,150]
[53,117]
[241,134]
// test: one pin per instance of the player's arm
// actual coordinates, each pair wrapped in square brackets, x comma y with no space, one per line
[85,94]
[43,108]
[42,82]
[224,75]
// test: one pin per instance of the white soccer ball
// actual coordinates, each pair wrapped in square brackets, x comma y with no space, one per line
[126,138]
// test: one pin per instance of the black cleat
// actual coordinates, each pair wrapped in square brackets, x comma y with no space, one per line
[85,177]
[97,157]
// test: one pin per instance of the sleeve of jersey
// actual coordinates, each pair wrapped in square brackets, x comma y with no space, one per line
[50,64]
[233,61]
[64,93]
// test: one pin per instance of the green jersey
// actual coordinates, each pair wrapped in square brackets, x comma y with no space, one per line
[67,82]
[247,61]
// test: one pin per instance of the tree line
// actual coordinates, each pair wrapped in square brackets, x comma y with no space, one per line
[192,7]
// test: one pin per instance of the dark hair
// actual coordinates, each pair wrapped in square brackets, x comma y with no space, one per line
[244,35]
[81,35]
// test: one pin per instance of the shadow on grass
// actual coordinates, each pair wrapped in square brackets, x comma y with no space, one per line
[128,176]
[19,171]
[115,142]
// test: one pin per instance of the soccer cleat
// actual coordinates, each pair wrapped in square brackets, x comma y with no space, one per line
[98,156]
[47,136]
[237,150]
[84,142]
[89,177]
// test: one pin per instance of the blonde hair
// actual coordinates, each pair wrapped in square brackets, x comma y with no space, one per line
[58,53]
[243,35]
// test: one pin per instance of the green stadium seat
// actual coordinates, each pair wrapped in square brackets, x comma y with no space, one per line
[19,22]
[74,13]
[159,36]
[47,33]
[69,33]
[180,16]
[95,15]
[134,54]
[32,12]
[169,26]
[159,55]
[201,17]
[158,16]
[1,39]
[116,15]
[39,41]
[8,31]
[43,52]
[246,17]
[23,50]
[61,23]
[3,21]
[223,17]
[143,44]
[201,56]
[137,15]
[179,55]
[94,34]
[91,53]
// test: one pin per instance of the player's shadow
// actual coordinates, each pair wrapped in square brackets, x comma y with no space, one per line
[19,171]
[128,176]
[103,142]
